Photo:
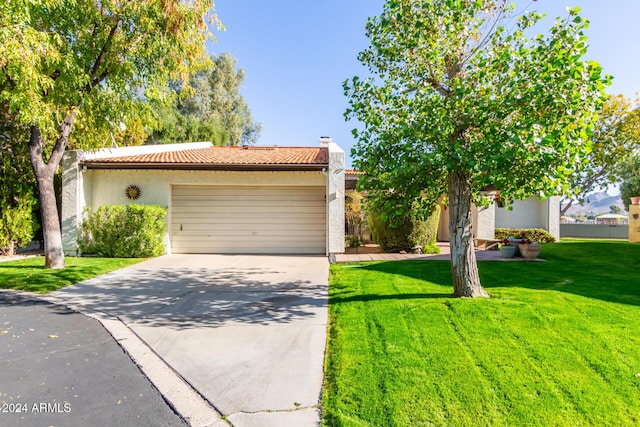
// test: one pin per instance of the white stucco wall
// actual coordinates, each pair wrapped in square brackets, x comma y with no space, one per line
[484,222]
[531,213]
[107,186]
[335,197]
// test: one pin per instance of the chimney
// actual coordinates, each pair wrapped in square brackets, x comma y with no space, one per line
[325,141]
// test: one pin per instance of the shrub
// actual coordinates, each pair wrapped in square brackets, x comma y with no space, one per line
[630,185]
[17,224]
[132,231]
[407,234]
[534,234]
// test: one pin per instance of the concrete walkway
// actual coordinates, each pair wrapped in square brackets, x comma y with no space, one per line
[444,255]
[237,336]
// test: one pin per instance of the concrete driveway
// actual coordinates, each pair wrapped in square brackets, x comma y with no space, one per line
[247,332]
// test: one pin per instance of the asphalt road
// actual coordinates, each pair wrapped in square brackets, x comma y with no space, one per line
[60,368]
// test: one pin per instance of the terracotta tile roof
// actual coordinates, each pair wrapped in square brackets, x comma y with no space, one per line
[245,157]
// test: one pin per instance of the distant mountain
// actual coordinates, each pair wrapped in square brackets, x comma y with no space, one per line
[598,203]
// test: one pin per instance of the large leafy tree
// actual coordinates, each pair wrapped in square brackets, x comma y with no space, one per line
[211,108]
[462,98]
[90,65]
[615,136]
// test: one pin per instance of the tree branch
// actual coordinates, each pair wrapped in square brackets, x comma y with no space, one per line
[63,138]
[95,80]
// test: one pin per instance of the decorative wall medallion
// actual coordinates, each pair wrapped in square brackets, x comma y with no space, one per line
[133,192]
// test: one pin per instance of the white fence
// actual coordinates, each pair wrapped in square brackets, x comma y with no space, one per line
[602,231]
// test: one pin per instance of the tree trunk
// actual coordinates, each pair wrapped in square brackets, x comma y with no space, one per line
[464,269]
[44,172]
[53,252]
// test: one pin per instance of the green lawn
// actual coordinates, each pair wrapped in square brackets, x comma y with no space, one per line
[30,275]
[558,344]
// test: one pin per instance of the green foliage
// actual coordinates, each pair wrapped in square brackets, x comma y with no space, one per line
[30,275]
[456,91]
[17,200]
[17,223]
[94,65]
[209,108]
[534,234]
[175,127]
[105,60]
[132,231]
[552,347]
[405,234]
[615,137]
[630,186]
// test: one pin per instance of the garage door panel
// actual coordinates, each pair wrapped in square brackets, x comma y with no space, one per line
[186,204]
[208,219]
[238,219]
[271,229]
[251,212]
[246,207]
[247,241]
[236,191]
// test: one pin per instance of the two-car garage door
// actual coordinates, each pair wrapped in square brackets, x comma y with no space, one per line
[259,220]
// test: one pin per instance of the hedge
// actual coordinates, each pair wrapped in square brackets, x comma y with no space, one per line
[534,234]
[132,231]
[410,233]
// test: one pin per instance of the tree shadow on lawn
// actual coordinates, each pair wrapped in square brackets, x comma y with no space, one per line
[55,279]
[608,271]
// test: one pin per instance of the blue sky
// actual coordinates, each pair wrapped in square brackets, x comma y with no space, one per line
[296,54]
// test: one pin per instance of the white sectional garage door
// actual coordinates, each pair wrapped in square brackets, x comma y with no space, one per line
[245,220]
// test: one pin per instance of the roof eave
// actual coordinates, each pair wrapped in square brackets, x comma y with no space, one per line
[205,166]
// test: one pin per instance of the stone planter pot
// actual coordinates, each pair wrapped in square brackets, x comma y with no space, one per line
[529,251]
[635,200]
[508,251]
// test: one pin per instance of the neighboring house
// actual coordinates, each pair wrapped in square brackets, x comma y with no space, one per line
[529,213]
[249,199]
[351,179]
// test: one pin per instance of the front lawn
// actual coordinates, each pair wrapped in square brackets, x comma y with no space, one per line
[558,344]
[30,274]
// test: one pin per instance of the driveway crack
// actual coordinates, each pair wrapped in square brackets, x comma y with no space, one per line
[273,411]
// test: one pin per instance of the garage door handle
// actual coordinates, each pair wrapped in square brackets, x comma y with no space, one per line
[180,227]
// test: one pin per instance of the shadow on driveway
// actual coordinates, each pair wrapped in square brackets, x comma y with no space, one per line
[187,297]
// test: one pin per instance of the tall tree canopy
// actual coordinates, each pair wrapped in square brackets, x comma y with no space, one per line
[92,64]
[462,98]
[615,137]
[210,109]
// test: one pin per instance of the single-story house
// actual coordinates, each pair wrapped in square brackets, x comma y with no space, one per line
[228,200]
